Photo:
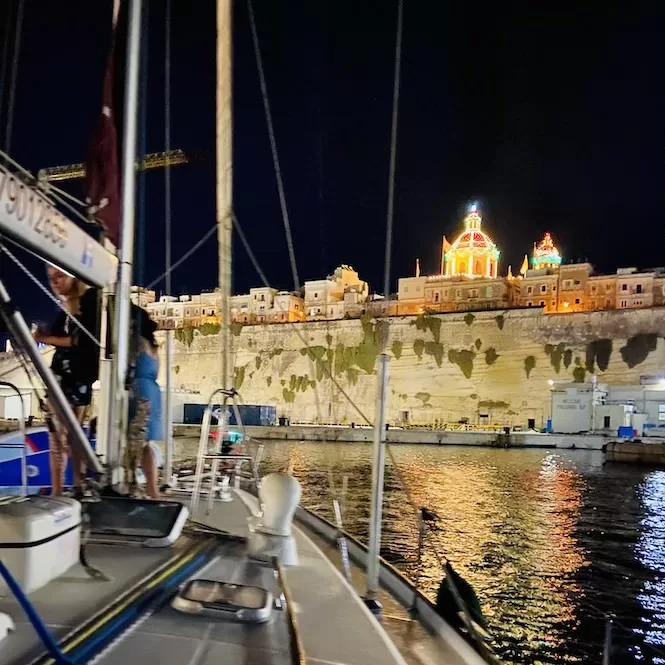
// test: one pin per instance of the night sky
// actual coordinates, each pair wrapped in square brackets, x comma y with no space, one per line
[551,114]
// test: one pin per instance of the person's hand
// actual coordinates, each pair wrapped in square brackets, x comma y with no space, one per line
[38,335]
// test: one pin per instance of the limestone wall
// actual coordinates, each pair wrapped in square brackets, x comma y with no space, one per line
[444,367]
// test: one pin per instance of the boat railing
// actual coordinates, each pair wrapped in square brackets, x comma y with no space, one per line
[405,591]
[215,458]
[20,445]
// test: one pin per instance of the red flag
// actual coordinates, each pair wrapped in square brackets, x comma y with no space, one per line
[102,179]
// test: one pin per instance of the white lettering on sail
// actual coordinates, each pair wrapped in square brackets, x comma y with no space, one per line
[30,218]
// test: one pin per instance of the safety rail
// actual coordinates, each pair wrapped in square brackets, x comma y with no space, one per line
[204,455]
[19,446]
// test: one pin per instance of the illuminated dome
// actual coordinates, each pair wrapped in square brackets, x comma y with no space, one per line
[545,255]
[473,254]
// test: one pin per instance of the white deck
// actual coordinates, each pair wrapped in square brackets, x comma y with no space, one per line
[334,625]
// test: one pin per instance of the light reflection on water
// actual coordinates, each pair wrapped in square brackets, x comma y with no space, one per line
[552,542]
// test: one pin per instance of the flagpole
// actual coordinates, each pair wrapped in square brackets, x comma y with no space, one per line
[122,318]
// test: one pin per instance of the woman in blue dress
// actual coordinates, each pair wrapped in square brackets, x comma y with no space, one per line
[146,423]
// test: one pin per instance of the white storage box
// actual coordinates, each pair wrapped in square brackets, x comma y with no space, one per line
[40,538]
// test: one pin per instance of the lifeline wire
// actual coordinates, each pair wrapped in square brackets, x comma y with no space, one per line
[72,318]
[12,85]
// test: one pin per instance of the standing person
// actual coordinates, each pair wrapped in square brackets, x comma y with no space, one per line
[145,414]
[75,365]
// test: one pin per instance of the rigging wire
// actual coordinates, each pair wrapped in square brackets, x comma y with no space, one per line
[393,152]
[5,57]
[52,297]
[294,326]
[139,239]
[14,73]
[167,148]
[273,146]
[206,236]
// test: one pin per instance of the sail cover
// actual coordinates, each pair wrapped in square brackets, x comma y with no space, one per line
[102,181]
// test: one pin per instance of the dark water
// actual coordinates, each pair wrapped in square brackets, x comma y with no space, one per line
[552,541]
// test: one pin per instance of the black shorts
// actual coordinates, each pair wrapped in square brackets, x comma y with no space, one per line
[78,393]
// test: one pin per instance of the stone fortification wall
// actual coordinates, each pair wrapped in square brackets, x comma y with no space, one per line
[443,367]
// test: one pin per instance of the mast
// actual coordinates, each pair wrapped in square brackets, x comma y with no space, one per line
[122,309]
[224,182]
[378,455]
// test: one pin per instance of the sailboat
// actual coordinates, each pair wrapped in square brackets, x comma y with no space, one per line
[246,575]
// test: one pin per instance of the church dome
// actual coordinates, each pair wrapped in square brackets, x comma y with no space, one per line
[545,254]
[473,254]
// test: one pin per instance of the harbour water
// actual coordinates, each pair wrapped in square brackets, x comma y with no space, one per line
[553,541]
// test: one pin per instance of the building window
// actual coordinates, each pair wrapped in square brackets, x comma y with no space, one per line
[542,303]
[489,292]
[593,289]
[529,304]
[608,302]
[567,283]
[554,288]
[624,287]
[577,301]
[661,412]
[638,288]
[473,293]
[577,282]
[529,289]
[316,295]
[543,288]
[406,289]
[436,296]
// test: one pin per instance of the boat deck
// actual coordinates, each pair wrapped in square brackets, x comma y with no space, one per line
[333,623]
[73,598]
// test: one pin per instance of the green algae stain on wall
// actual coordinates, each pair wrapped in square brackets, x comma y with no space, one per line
[423,397]
[289,395]
[556,354]
[579,374]
[491,356]
[435,349]
[397,348]
[185,335]
[352,375]
[598,353]
[419,347]
[638,348]
[269,380]
[424,323]
[463,358]
[209,328]
[239,377]
[469,319]
[529,365]
[500,321]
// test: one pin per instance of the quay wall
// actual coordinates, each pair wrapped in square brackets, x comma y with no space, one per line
[485,366]
[424,437]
